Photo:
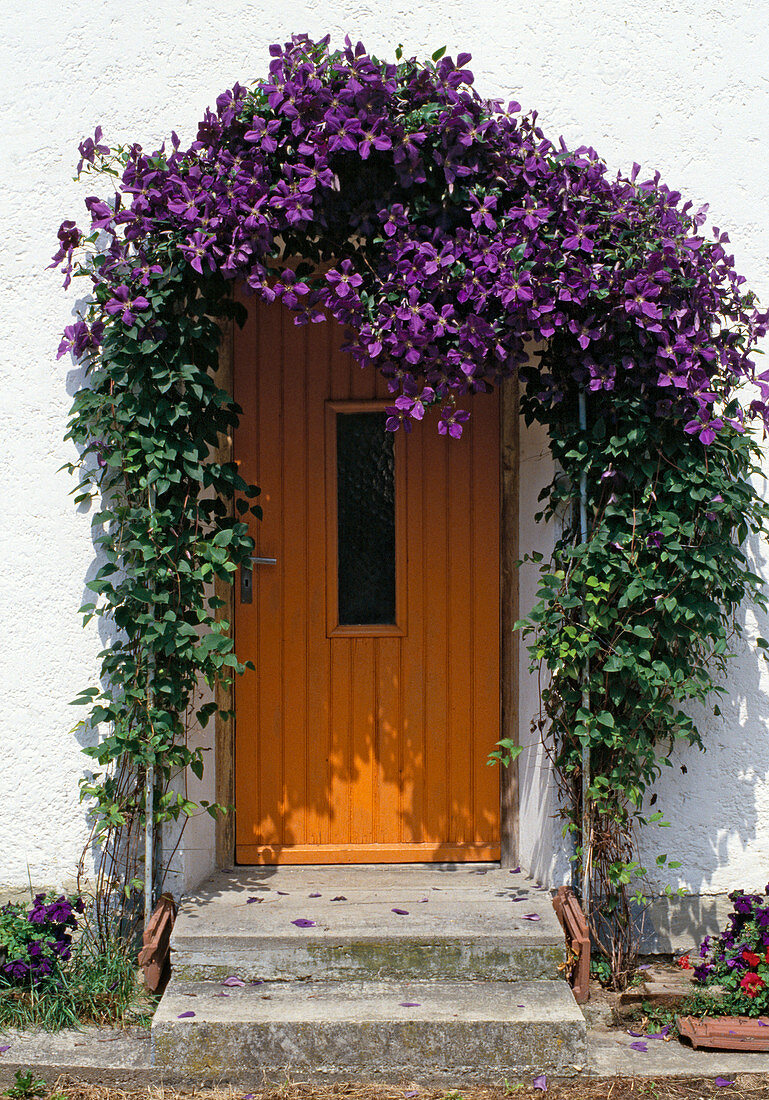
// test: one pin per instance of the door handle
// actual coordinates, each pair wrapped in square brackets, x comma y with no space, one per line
[247,576]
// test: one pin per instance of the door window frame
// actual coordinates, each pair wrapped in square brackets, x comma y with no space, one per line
[335,629]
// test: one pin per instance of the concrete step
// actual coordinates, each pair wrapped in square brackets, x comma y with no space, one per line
[456,923]
[431,1032]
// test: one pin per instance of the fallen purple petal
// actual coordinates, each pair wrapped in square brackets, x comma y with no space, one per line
[761,1023]
[540,1082]
[221,994]
[410,1004]
[520,1006]
[3,1049]
[515,871]
[723,1082]
[283,893]
[315,895]
[644,966]
[233,980]
[339,897]
[250,901]
[412,1093]
[532,916]
[639,1046]
[400,912]
[185,1015]
[303,922]
[637,1034]
[257,981]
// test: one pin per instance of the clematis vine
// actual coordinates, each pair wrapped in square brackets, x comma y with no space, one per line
[492,234]
[459,247]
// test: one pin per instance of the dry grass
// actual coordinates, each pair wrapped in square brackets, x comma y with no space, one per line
[749,1086]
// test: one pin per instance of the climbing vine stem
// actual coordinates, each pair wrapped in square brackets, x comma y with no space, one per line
[448,235]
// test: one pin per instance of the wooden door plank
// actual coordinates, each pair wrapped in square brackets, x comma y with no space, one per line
[268,579]
[295,562]
[460,635]
[318,647]
[364,772]
[341,754]
[367,853]
[435,671]
[485,566]
[388,734]
[412,748]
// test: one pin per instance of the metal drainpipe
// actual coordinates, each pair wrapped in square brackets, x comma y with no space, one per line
[585,693]
[149,782]
[149,842]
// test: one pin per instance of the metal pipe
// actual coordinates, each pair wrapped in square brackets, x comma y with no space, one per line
[149,842]
[585,807]
[149,779]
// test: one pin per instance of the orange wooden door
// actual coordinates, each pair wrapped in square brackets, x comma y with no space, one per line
[362,742]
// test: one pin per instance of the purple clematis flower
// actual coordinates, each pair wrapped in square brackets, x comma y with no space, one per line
[344,280]
[122,303]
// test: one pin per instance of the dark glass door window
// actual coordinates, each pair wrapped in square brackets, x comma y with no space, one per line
[365,480]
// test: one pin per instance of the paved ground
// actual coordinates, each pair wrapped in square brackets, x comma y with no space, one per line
[120,1056]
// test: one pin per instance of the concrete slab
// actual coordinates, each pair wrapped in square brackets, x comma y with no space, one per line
[455,922]
[116,1057]
[106,1055]
[431,1031]
[610,1054]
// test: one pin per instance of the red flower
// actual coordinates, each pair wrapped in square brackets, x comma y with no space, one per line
[751,984]
[750,958]
[684,963]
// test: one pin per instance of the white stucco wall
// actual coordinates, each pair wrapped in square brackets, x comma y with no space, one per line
[682,87]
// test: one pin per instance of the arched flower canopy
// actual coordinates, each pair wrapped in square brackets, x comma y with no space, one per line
[443,229]
[446,233]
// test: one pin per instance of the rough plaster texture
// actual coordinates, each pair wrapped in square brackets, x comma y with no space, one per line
[682,87]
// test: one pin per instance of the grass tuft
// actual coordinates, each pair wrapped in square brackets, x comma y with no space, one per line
[98,986]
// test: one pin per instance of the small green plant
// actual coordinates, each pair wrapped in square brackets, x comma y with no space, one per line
[655,1017]
[26,1085]
[600,969]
